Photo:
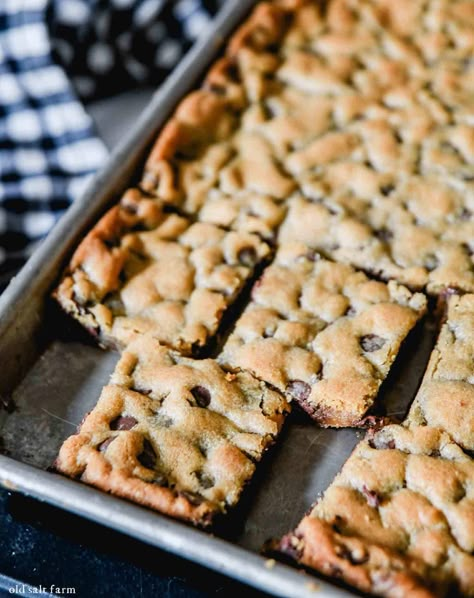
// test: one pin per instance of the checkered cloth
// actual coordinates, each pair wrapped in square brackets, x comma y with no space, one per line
[48,145]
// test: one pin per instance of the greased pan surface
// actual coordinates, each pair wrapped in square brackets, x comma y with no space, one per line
[53,381]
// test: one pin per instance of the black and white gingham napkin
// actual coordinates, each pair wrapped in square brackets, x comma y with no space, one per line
[48,145]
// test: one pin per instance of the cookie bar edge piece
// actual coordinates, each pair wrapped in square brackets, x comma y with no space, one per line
[391,522]
[142,269]
[176,435]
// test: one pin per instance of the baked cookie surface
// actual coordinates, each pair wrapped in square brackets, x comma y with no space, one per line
[143,270]
[323,333]
[178,435]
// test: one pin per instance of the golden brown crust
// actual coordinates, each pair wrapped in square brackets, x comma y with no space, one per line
[398,518]
[173,434]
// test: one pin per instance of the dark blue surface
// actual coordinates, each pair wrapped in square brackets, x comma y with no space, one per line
[41,545]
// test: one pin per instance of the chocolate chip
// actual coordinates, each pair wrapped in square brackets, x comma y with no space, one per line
[111,243]
[398,137]
[299,390]
[431,262]
[123,422]
[387,189]
[206,481]
[371,342]
[465,214]
[201,395]
[371,497]
[247,256]
[373,422]
[148,456]
[142,390]
[103,446]
[384,234]
[131,208]
[350,311]
[292,545]
[219,90]
[194,498]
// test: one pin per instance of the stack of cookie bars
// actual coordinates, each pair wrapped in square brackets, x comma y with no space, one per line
[324,171]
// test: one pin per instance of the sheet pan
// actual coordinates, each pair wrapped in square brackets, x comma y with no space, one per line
[51,377]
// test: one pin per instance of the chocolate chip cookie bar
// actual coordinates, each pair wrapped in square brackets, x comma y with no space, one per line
[178,435]
[398,520]
[323,333]
[144,270]
[446,397]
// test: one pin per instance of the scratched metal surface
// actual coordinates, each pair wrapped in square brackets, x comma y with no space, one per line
[53,379]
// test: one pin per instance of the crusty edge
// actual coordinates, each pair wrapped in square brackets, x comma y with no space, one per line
[368,567]
[221,91]
[100,474]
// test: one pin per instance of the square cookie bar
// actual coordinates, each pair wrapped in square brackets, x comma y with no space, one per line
[177,435]
[398,520]
[446,397]
[323,333]
[144,270]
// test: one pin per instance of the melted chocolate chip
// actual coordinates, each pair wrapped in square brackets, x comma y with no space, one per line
[371,342]
[103,446]
[131,208]
[384,234]
[292,546]
[431,262]
[206,481]
[142,390]
[387,189]
[201,395]
[247,256]
[371,497]
[219,90]
[123,422]
[148,456]
[299,390]
[350,311]
[192,497]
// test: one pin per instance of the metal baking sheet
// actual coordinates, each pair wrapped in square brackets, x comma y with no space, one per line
[51,377]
